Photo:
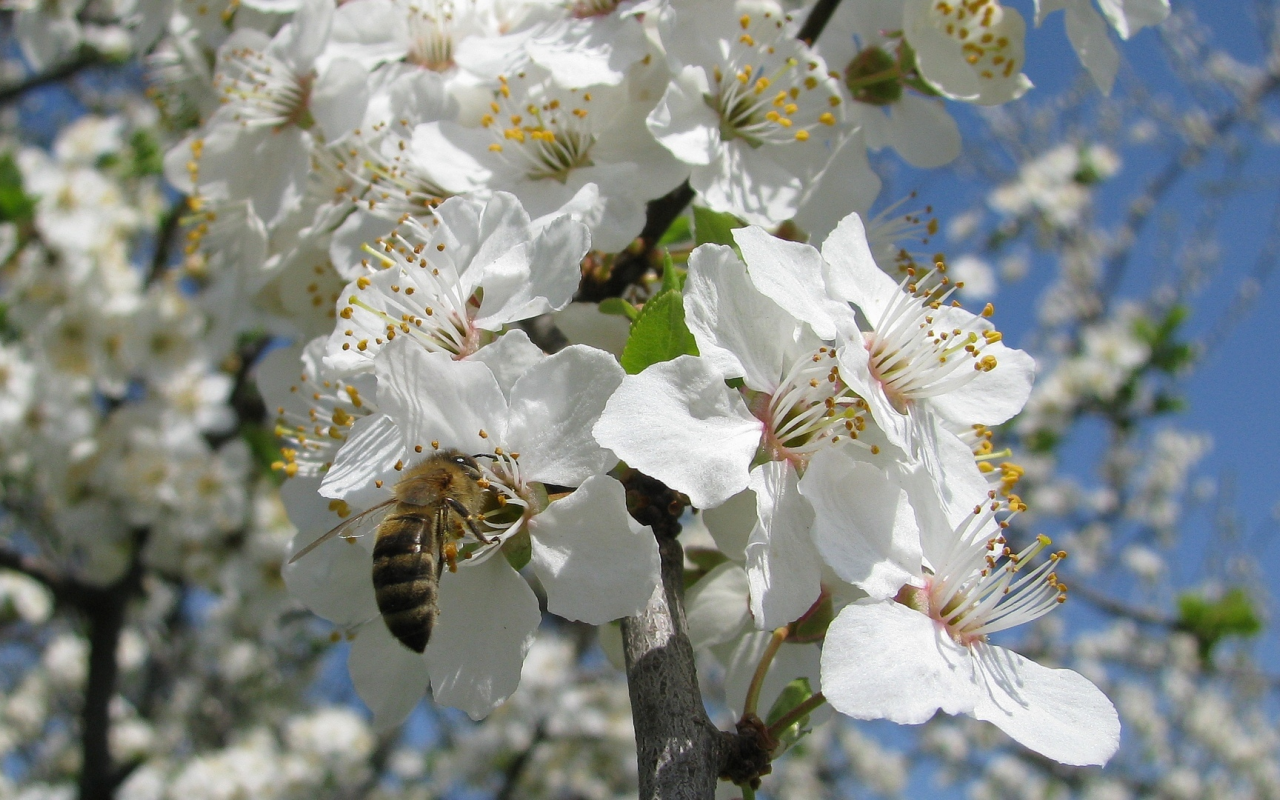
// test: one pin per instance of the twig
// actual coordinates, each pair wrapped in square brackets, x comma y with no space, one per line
[817,20]
[105,608]
[84,59]
[1146,616]
[1140,209]
[511,776]
[631,264]
[679,751]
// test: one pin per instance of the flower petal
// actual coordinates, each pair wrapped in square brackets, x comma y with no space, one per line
[596,562]
[488,617]
[864,525]
[717,607]
[370,453]
[680,423]
[738,329]
[433,398]
[389,677]
[1055,712]
[783,567]
[553,408]
[791,274]
[885,661]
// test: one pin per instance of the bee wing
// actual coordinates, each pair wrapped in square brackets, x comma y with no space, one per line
[341,528]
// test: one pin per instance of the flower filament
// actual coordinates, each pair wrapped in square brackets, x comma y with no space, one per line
[543,138]
[913,356]
[983,586]
[264,91]
[811,408]
[770,90]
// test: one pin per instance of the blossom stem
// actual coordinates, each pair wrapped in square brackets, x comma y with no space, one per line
[798,713]
[762,669]
[876,77]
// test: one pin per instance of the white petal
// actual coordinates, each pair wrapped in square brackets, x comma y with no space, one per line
[847,184]
[678,422]
[740,331]
[339,98]
[864,525]
[750,183]
[1130,16]
[372,448]
[553,408]
[454,168]
[731,523]
[1055,712]
[511,356]
[488,617]
[924,132]
[885,661]
[433,398]
[683,122]
[992,397]
[536,279]
[717,607]
[791,274]
[783,567]
[334,580]
[389,677]
[852,274]
[596,562]
[1088,35]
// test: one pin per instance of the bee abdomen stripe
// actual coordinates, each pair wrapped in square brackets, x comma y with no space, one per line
[402,569]
[398,539]
[412,626]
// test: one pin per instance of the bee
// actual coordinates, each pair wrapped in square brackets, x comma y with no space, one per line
[429,509]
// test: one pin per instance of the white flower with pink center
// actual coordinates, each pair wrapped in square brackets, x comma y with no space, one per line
[928,648]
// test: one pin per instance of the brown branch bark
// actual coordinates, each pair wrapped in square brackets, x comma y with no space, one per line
[105,609]
[680,752]
[83,60]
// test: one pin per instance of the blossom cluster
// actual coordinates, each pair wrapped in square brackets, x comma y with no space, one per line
[403,189]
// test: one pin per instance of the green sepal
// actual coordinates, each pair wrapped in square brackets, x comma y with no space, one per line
[618,307]
[672,276]
[704,560]
[795,693]
[812,627]
[518,550]
[658,334]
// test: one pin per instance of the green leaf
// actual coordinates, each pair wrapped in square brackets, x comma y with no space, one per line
[672,276]
[15,204]
[619,307]
[658,334]
[148,158]
[265,449]
[1212,620]
[680,231]
[795,693]
[712,227]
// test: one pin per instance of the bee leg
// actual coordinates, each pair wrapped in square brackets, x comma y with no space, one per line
[469,519]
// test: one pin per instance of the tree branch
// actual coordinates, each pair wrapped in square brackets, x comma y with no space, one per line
[679,751]
[105,608]
[630,265]
[84,59]
[817,20]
